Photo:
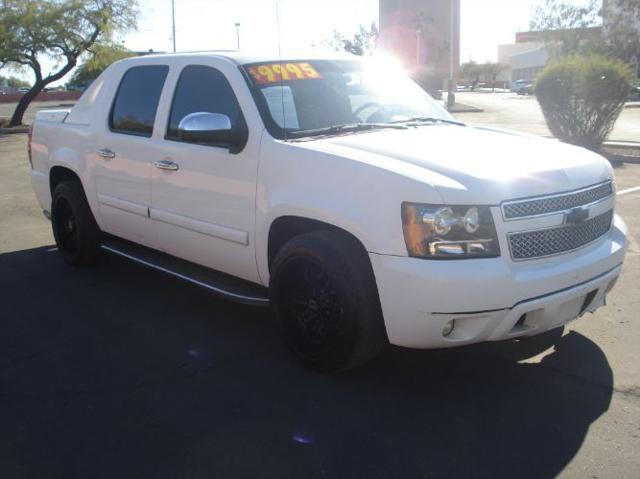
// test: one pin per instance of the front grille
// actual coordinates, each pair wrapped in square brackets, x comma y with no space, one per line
[560,239]
[561,202]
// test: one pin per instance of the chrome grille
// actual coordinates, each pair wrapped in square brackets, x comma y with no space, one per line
[561,202]
[552,241]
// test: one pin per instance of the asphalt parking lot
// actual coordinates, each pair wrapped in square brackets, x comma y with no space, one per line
[118,372]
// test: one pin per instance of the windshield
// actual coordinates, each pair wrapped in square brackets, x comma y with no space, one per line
[307,97]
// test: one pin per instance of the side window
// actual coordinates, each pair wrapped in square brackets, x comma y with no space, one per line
[136,102]
[202,89]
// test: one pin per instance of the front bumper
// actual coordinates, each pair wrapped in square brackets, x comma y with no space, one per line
[493,299]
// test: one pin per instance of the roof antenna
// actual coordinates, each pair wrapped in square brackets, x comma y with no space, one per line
[284,117]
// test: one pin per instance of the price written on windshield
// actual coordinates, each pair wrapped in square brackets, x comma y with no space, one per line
[277,72]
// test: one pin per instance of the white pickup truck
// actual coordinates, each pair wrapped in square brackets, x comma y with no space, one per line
[335,190]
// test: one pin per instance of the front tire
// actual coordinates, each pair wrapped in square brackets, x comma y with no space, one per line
[325,299]
[75,229]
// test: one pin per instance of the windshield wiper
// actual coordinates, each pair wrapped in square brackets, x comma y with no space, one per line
[346,128]
[428,119]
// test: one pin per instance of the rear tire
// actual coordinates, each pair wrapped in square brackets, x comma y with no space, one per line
[75,229]
[325,299]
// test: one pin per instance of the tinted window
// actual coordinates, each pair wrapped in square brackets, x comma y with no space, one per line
[202,89]
[134,109]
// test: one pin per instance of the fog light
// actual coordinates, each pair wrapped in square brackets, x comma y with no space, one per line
[448,327]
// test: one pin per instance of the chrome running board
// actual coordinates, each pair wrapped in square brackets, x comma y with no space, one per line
[226,286]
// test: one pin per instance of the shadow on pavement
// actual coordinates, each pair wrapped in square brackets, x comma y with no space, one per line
[121,372]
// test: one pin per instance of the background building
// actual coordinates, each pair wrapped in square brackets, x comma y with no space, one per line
[418,32]
[532,51]
[523,59]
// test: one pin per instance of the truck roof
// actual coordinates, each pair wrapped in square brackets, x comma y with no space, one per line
[243,58]
[81,112]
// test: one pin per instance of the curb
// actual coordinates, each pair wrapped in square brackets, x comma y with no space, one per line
[622,151]
[466,110]
[462,108]
[630,145]
[623,159]
[9,131]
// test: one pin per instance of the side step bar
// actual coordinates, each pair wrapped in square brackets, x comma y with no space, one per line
[224,285]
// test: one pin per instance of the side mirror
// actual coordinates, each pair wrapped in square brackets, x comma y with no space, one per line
[209,128]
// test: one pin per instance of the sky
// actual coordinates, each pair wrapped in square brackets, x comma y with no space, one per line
[485,24]
[210,24]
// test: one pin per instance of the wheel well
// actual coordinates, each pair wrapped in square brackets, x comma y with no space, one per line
[58,174]
[285,228]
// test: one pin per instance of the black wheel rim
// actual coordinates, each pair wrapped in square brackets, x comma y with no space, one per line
[66,226]
[312,309]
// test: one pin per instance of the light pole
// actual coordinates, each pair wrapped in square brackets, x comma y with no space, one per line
[173,24]
[451,99]
[237,24]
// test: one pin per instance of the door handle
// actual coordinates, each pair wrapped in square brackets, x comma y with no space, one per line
[166,165]
[106,153]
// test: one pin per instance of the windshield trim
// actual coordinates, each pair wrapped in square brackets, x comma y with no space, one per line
[263,108]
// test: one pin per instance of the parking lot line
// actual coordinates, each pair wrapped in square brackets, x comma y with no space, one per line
[629,190]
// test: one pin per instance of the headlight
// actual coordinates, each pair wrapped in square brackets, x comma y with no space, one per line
[432,231]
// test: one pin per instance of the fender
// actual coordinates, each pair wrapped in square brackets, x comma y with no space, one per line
[303,212]
[66,157]
[357,194]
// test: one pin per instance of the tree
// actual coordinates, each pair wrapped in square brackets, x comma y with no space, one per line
[492,70]
[435,47]
[567,27]
[101,57]
[31,30]
[470,70]
[565,15]
[488,71]
[13,82]
[582,96]
[621,29]
[364,42]
[17,82]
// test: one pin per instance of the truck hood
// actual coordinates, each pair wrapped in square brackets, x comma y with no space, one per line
[474,165]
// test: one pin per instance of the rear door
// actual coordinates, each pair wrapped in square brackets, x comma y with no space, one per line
[204,208]
[124,151]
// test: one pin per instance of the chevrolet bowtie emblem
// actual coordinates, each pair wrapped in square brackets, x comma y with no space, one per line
[576,216]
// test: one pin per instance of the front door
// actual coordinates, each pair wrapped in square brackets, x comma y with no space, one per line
[203,195]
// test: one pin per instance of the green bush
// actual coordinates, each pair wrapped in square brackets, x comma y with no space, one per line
[582,96]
